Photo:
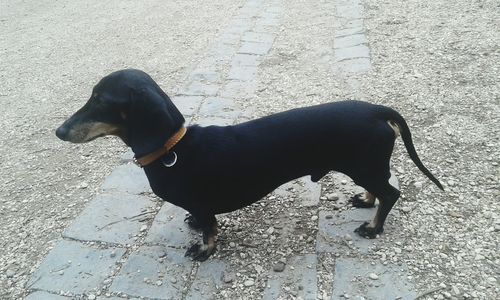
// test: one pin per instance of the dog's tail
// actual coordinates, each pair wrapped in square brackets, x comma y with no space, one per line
[394,117]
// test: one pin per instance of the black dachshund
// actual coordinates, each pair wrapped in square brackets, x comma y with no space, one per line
[218,169]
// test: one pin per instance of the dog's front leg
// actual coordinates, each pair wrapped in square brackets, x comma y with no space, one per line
[209,228]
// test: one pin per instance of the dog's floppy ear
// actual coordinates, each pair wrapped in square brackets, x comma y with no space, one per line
[152,119]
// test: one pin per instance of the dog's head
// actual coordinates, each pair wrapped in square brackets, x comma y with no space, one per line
[128,104]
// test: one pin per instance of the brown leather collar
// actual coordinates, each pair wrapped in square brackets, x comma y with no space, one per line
[169,144]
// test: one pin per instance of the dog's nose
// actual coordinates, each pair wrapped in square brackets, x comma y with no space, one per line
[62,133]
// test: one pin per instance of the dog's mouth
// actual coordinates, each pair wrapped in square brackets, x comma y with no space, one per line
[86,132]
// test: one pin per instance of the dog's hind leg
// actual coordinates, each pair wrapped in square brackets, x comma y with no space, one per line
[192,222]
[208,225]
[387,195]
[363,200]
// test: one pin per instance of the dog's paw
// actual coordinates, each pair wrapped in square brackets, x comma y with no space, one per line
[199,252]
[359,201]
[192,223]
[368,232]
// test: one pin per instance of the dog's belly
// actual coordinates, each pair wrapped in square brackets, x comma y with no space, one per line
[246,192]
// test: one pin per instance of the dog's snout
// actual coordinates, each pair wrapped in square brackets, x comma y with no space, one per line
[62,132]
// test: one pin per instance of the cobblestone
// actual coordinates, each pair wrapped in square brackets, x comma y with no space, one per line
[352,277]
[127,178]
[154,272]
[75,268]
[299,280]
[111,218]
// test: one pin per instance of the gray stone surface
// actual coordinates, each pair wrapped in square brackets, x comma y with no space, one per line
[308,192]
[203,74]
[112,218]
[127,178]
[239,90]
[352,55]
[208,277]
[41,295]
[352,10]
[241,23]
[218,106]
[270,19]
[229,38]
[352,278]
[197,88]
[187,105]
[242,73]
[154,272]
[254,48]
[349,31]
[350,40]
[352,52]
[214,120]
[299,277]
[169,228]
[245,60]
[116,298]
[222,54]
[74,267]
[337,234]
[355,65]
[258,37]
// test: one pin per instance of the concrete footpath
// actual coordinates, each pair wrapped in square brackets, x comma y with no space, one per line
[128,244]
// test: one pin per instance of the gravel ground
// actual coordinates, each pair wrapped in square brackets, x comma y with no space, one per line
[437,63]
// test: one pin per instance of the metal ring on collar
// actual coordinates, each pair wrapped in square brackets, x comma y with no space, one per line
[170,163]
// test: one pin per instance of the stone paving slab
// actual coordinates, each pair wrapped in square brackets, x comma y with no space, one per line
[245,60]
[352,10]
[242,73]
[223,53]
[336,231]
[357,51]
[74,267]
[214,120]
[217,106]
[187,105]
[117,298]
[239,90]
[299,276]
[154,272]
[258,37]
[208,278]
[350,40]
[198,88]
[304,189]
[41,295]
[255,48]
[355,65]
[169,228]
[127,178]
[339,33]
[206,74]
[352,278]
[111,218]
